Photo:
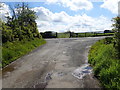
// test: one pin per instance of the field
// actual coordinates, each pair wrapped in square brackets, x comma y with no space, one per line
[94,34]
[67,35]
[63,35]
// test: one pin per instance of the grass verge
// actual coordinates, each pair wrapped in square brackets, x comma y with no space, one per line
[14,50]
[105,66]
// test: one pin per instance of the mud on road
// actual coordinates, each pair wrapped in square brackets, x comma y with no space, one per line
[61,63]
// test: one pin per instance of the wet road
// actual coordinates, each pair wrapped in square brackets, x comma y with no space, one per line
[61,63]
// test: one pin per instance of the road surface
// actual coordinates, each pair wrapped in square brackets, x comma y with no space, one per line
[61,63]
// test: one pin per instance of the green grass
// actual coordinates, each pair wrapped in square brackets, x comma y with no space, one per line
[94,34]
[14,50]
[105,66]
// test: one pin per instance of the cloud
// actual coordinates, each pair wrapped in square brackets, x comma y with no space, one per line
[52,1]
[44,13]
[4,11]
[111,5]
[74,5]
[59,22]
[79,5]
[49,21]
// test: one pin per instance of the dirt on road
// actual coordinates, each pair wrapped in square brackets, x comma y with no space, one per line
[61,63]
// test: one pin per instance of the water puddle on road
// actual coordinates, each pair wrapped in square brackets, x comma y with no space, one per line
[8,69]
[48,77]
[44,83]
[81,72]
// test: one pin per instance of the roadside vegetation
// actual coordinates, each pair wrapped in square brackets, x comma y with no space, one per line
[19,34]
[104,56]
[14,50]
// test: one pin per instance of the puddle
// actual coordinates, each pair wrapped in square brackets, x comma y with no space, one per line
[45,82]
[8,69]
[88,68]
[48,77]
[81,72]
[60,74]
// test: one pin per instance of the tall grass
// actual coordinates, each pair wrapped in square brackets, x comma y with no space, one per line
[105,65]
[13,50]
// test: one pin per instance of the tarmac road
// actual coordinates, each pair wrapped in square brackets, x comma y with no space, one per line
[61,63]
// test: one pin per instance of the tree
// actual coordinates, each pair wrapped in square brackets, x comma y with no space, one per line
[7,34]
[22,23]
[116,29]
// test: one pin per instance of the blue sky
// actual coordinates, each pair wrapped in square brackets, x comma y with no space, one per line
[73,15]
[95,12]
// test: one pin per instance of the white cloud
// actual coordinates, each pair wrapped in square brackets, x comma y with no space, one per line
[44,13]
[4,11]
[111,5]
[79,4]
[49,21]
[52,1]
[74,5]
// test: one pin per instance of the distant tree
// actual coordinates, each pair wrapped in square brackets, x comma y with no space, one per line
[68,31]
[116,29]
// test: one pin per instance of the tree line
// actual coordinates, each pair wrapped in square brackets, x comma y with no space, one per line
[21,25]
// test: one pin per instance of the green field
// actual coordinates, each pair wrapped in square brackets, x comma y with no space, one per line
[63,35]
[14,50]
[94,34]
[106,66]
[67,35]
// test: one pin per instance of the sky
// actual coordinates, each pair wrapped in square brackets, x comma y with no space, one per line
[70,15]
